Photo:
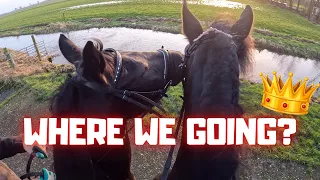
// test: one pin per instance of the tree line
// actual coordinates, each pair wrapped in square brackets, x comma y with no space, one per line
[303,7]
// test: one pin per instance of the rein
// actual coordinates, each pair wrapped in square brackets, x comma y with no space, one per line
[132,97]
[30,174]
[205,38]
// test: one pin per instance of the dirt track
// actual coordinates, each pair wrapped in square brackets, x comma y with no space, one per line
[147,161]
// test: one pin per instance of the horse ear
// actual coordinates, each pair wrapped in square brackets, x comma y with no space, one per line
[69,50]
[241,29]
[191,27]
[93,58]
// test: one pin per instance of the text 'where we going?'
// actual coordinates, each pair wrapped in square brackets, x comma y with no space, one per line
[200,131]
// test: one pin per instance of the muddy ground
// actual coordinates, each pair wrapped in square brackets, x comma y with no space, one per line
[146,161]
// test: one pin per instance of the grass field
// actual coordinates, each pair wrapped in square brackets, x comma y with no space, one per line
[275,29]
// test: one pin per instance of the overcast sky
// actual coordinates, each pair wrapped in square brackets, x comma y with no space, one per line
[10,5]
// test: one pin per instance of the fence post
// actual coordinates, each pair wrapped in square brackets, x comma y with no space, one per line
[36,46]
[64,18]
[9,58]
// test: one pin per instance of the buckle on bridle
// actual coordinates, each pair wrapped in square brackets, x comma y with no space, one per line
[126,94]
[124,97]
[164,90]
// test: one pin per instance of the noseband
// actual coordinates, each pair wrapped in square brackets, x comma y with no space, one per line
[118,64]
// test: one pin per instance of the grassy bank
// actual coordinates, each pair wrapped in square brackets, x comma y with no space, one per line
[305,148]
[306,144]
[275,29]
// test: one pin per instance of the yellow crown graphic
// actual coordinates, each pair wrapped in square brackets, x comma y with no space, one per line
[286,98]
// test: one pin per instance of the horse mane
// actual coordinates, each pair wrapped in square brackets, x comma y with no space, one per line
[64,96]
[245,49]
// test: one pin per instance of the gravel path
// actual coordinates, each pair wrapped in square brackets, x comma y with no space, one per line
[147,161]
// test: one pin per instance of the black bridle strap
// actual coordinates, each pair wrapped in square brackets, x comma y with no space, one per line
[188,51]
[167,165]
[123,94]
[132,101]
[148,100]
[118,65]
[166,57]
[30,174]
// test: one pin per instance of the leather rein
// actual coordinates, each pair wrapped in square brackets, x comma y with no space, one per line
[188,51]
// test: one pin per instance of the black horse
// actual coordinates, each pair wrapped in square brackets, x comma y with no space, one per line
[214,60]
[87,95]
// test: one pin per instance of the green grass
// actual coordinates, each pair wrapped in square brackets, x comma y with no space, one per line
[305,148]
[266,17]
[282,23]
[15,85]
[13,95]
[172,104]
[44,85]
[288,46]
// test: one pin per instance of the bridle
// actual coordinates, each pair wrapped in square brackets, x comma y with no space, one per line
[204,38]
[133,97]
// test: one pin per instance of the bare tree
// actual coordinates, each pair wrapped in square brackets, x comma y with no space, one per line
[298,5]
[290,4]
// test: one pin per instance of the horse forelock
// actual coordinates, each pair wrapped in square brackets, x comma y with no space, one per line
[245,48]
[211,29]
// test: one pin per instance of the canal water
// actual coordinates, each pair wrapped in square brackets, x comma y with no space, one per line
[147,40]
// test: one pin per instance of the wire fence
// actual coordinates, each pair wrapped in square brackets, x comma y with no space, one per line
[31,50]
[30,54]
[16,65]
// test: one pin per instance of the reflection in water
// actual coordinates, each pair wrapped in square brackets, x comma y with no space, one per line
[216,3]
[92,4]
[266,62]
[147,40]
